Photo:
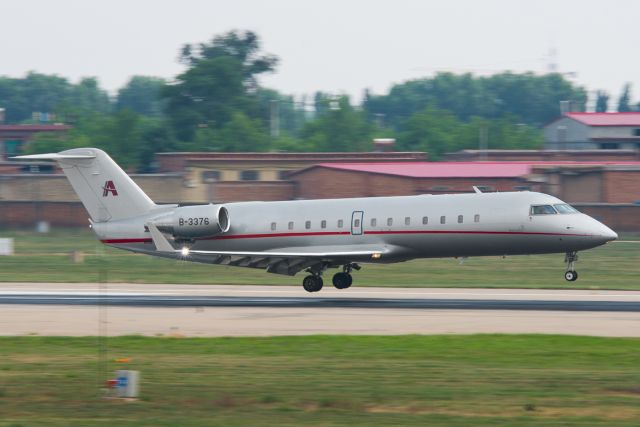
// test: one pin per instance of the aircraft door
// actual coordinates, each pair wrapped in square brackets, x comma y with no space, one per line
[356,223]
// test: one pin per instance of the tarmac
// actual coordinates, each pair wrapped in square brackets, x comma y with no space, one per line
[225,310]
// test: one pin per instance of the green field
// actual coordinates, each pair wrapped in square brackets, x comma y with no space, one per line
[46,258]
[481,380]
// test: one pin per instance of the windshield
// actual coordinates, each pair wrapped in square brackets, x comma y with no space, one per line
[542,210]
[564,208]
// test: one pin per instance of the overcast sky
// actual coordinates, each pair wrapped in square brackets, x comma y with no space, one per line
[329,45]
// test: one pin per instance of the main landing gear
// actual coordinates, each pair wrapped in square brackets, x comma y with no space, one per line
[341,280]
[571,274]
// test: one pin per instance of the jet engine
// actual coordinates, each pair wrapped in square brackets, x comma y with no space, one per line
[188,222]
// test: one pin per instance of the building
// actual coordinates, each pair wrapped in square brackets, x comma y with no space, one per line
[604,155]
[255,176]
[592,131]
[14,137]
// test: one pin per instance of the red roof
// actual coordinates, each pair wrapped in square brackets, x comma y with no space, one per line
[606,119]
[456,169]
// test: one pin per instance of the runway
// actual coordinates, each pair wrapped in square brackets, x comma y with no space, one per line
[188,310]
[320,302]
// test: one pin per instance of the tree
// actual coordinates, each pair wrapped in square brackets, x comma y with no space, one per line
[340,128]
[529,98]
[602,101]
[624,102]
[220,80]
[142,94]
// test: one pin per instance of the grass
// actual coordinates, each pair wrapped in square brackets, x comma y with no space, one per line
[45,258]
[476,380]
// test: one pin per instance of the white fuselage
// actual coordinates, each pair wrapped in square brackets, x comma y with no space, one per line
[425,226]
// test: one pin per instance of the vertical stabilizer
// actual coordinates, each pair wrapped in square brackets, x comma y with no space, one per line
[105,190]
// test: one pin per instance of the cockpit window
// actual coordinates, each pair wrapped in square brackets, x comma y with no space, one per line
[542,210]
[565,208]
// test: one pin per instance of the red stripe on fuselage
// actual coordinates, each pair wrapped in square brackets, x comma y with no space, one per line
[346,233]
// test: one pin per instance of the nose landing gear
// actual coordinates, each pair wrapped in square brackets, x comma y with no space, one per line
[571,275]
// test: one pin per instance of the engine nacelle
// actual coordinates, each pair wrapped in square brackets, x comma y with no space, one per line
[187,222]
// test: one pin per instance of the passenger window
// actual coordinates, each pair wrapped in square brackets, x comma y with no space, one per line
[373,222]
[425,220]
[476,218]
[460,219]
[356,223]
[307,224]
[389,222]
[543,210]
[340,223]
[290,225]
[273,226]
[323,223]
[407,220]
[443,219]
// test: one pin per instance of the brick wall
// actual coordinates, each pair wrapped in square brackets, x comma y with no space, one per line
[245,191]
[57,214]
[621,186]
[324,183]
[619,217]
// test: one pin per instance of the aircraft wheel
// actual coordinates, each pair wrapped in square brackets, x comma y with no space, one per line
[571,276]
[342,280]
[312,283]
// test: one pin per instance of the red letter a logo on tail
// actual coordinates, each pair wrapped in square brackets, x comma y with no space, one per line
[109,187]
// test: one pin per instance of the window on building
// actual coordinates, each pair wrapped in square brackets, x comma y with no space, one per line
[476,218]
[460,219]
[485,188]
[522,187]
[283,175]
[425,220]
[443,219]
[210,176]
[340,223]
[373,222]
[407,220]
[543,210]
[636,132]
[389,222]
[249,175]
[323,223]
[439,188]
[290,225]
[609,146]
[273,226]
[307,224]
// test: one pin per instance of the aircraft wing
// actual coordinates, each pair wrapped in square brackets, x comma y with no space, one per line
[288,262]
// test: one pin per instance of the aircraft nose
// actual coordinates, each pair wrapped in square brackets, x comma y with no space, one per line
[606,233]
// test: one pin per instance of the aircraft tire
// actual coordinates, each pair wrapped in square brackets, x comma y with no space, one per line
[312,283]
[342,280]
[571,276]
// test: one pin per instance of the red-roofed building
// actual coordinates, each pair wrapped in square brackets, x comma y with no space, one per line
[594,182]
[589,131]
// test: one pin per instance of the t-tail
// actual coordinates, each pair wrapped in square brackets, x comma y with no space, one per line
[106,191]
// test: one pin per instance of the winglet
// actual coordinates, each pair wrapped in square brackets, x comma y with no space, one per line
[161,242]
[477,190]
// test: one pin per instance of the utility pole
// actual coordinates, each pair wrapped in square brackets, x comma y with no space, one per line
[483,141]
[275,118]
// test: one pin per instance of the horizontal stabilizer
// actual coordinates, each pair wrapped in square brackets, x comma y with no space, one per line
[55,156]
